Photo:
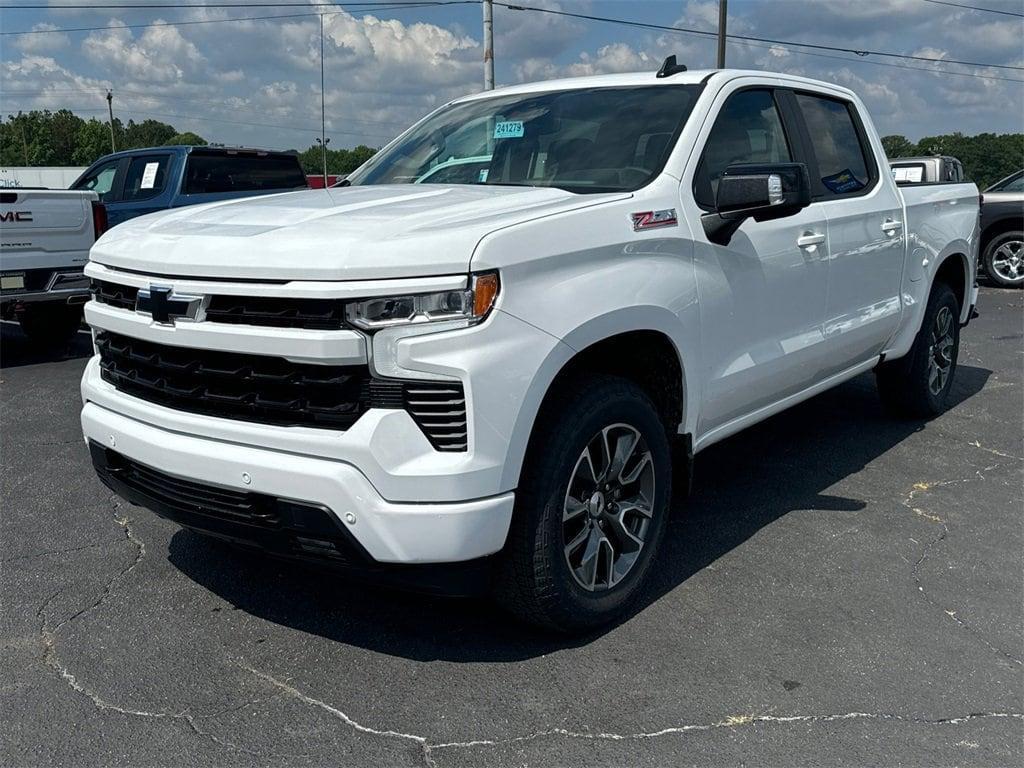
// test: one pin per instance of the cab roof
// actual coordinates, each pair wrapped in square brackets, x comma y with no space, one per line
[691,77]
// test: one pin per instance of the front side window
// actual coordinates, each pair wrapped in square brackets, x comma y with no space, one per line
[585,140]
[843,167]
[100,180]
[146,177]
[747,130]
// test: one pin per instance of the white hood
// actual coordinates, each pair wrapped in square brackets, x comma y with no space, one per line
[347,233]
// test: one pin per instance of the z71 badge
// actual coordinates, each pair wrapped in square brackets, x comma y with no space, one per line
[654,219]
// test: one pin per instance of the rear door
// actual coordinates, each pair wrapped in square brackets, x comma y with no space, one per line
[865,229]
[212,175]
[762,297]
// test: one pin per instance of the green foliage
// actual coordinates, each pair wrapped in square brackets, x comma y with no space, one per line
[986,157]
[63,138]
[186,139]
[340,162]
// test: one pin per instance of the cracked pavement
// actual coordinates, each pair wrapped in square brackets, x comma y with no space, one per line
[841,589]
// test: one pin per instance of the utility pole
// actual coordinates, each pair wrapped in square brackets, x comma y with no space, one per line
[323,104]
[488,45]
[110,111]
[722,13]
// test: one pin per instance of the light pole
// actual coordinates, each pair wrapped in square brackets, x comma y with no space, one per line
[722,14]
[110,111]
[488,45]
[323,151]
[323,105]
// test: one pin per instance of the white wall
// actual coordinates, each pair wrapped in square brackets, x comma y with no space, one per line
[51,178]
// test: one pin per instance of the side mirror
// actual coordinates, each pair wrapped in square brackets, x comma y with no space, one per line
[756,191]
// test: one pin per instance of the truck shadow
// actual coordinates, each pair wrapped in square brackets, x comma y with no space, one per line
[742,485]
[16,349]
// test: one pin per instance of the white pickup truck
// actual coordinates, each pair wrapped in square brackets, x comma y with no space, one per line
[485,385]
[45,237]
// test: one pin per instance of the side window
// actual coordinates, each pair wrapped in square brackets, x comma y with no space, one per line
[146,177]
[747,130]
[100,180]
[843,165]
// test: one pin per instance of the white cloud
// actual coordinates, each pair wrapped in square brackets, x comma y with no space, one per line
[48,42]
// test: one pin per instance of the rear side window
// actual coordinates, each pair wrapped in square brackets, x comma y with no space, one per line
[747,130]
[843,165]
[146,177]
[100,180]
[206,174]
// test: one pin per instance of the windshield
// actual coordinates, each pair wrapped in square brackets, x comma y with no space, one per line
[586,140]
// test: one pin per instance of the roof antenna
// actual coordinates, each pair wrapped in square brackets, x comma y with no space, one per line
[669,67]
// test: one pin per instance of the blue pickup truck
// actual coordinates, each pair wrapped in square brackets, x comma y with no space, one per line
[140,181]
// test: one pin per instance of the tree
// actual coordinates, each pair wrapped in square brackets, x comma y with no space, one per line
[898,146]
[187,138]
[148,133]
[91,142]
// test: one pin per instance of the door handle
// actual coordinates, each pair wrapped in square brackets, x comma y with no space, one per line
[807,239]
[889,226]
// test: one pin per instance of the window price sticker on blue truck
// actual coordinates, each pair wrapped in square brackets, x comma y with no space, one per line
[508,129]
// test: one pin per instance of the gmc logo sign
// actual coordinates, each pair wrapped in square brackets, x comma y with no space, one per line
[8,216]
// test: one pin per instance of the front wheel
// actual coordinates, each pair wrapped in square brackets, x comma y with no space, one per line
[1004,260]
[918,384]
[591,508]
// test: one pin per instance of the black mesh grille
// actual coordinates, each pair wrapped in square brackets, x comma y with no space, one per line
[268,390]
[270,311]
[114,294]
[314,314]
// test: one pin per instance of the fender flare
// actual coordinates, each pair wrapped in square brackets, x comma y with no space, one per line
[600,328]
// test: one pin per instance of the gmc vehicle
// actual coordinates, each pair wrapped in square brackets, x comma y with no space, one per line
[141,181]
[45,237]
[1002,231]
[485,385]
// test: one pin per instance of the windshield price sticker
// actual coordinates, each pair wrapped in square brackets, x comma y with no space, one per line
[508,129]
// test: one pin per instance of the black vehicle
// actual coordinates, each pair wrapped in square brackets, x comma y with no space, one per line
[1002,231]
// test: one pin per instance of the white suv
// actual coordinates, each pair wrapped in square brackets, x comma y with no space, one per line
[484,385]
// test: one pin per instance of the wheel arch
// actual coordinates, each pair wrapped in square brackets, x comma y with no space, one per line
[611,344]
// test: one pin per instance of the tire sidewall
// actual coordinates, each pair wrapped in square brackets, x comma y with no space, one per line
[575,605]
[942,296]
[990,251]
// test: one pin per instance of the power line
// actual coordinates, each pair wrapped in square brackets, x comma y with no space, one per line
[975,8]
[177,6]
[186,99]
[353,8]
[749,38]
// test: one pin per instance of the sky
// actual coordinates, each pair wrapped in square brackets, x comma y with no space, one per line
[257,82]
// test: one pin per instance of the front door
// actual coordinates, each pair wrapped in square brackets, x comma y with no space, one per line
[762,297]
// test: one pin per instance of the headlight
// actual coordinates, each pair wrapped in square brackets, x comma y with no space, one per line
[470,306]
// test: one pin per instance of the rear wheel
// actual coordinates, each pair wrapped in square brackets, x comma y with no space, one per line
[918,384]
[1004,259]
[50,325]
[591,509]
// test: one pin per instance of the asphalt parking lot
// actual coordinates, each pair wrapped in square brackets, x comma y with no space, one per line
[840,589]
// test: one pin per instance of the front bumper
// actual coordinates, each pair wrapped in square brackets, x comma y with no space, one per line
[388,532]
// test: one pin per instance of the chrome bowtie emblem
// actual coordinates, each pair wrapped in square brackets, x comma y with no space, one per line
[166,306]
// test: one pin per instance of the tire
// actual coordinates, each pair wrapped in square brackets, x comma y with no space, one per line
[912,386]
[536,581]
[1004,259]
[50,326]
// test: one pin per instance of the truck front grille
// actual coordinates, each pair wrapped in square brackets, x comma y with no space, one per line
[272,390]
[267,311]
[269,390]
